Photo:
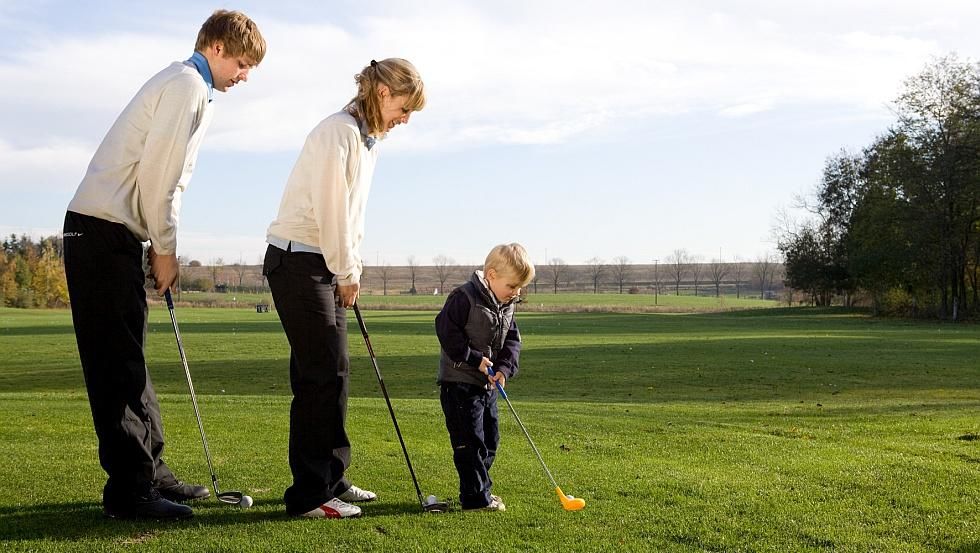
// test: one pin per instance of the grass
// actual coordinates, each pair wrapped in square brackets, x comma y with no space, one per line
[765,430]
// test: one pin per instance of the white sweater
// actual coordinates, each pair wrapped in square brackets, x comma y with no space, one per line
[326,195]
[145,161]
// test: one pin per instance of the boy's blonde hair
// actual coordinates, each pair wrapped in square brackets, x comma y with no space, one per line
[401,78]
[511,259]
[239,35]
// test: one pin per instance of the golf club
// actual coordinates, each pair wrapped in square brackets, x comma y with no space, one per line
[568,502]
[429,504]
[229,497]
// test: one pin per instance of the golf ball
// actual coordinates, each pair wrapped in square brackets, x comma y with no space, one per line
[430,500]
[246,501]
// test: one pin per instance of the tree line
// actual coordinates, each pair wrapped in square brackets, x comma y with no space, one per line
[678,271]
[32,274]
[899,222]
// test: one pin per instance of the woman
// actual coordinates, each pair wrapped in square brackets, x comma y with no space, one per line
[314,268]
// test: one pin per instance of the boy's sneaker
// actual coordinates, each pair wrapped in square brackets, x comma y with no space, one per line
[496,504]
[357,495]
[335,508]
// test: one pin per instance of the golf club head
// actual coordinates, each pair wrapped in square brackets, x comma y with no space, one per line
[436,507]
[570,503]
[231,498]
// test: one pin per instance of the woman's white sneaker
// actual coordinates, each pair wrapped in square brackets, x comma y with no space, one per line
[357,495]
[335,508]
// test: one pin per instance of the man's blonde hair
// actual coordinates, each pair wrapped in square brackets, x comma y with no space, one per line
[239,35]
[511,259]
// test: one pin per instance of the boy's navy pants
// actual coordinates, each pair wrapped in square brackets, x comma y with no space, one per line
[471,418]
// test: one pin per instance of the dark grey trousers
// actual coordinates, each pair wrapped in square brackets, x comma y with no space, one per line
[319,449]
[104,268]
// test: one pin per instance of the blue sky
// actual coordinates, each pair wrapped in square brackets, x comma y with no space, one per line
[581,129]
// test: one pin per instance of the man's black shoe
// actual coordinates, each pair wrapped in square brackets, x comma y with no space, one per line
[150,506]
[181,492]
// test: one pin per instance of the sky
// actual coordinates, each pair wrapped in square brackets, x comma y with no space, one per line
[583,130]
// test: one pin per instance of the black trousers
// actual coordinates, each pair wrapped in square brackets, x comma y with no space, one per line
[473,424]
[104,268]
[319,450]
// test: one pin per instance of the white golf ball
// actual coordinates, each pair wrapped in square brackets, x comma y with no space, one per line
[430,500]
[246,502]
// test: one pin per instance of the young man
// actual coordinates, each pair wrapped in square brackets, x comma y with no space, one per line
[129,195]
[477,330]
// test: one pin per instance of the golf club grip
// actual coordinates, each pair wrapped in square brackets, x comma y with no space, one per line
[360,320]
[499,387]
[170,299]
[364,332]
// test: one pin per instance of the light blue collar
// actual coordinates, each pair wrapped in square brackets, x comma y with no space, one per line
[201,64]
[369,141]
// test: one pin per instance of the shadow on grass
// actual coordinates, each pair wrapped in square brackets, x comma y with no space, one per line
[83,520]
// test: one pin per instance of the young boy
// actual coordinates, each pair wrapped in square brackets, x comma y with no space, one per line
[131,194]
[476,330]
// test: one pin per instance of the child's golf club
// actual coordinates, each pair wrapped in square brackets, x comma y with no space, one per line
[568,502]
[430,504]
[231,498]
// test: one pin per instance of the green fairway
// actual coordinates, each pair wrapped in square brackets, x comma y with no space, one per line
[764,430]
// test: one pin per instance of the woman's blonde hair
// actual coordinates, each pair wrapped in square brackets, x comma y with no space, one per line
[511,259]
[239,35]
[401,78]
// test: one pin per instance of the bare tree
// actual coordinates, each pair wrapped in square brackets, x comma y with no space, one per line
[696,268]
[385,272]
[596,268]
[556,271]
[621,270]
[445,266]
[413,266]
[656,280]
[216,265]
[717,271]
[677,263]
[765,266]
[240,270]
[738,273]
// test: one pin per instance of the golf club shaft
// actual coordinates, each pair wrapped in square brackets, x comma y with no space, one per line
[384,391]
[526,433]
[190,387]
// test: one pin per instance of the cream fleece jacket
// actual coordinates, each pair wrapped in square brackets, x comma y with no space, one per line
[326,195]
[145,161]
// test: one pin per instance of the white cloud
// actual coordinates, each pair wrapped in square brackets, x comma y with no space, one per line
[55,166]
[539,74]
